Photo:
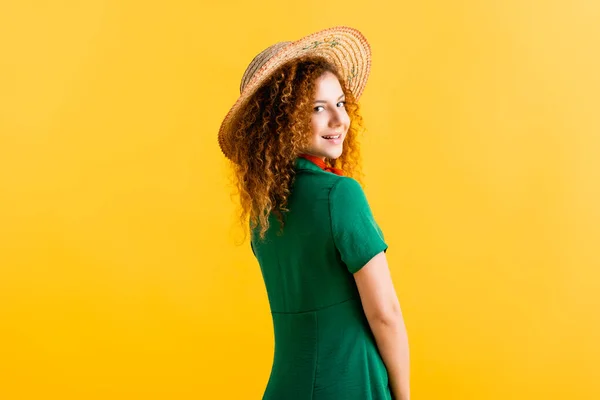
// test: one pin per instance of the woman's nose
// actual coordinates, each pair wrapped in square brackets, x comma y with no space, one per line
[335,119]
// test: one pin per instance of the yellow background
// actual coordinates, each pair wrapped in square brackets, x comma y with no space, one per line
[120,276]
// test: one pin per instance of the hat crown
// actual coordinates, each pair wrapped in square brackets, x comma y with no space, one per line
[258,61]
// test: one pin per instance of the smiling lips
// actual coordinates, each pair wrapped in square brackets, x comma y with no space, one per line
[334,139]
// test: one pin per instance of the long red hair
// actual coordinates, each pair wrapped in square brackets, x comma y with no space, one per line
[273,129]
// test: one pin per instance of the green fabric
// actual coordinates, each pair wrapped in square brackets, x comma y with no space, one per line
[324,347]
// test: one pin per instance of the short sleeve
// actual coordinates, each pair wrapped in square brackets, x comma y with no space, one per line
[356,235]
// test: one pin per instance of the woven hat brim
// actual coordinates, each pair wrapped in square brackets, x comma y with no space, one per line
[343,46]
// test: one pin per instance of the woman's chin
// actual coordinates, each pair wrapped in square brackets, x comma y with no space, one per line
[332,155]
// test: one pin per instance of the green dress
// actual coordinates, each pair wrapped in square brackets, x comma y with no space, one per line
[324,347]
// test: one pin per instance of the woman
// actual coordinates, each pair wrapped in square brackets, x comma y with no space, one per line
[292,140]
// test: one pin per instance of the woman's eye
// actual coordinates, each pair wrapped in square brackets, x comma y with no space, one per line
[317,107]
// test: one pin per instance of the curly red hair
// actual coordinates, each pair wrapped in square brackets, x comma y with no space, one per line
[273,129]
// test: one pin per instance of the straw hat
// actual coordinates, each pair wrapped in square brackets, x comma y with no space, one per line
[343,46]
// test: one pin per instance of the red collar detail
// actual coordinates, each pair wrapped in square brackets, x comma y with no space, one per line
[321,164]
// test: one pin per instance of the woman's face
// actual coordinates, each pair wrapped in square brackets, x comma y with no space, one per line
[329,119]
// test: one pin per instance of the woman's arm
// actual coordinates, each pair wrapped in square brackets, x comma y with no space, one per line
[382,309]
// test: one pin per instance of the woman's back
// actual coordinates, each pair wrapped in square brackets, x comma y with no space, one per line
[324,348]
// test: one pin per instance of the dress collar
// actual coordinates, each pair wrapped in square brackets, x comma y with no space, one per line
[302,163]
[306,161]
